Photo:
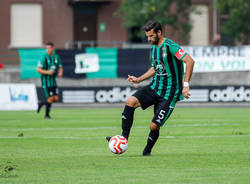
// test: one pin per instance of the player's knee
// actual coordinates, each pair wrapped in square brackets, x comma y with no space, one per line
[50,99]
[55,98]
[154,126]
[132,102]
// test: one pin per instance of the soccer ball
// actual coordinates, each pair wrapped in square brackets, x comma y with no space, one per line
[118,144]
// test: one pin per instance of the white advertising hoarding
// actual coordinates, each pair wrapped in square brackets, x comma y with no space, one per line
[86,63]
[18,97]
[220,59]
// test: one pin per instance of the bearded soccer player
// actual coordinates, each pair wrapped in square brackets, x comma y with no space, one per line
[49,67]
[168,86]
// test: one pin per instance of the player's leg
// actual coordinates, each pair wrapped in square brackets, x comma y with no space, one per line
[55,94]
[143,98]
[162,111]
[40,105]
[53,97]
[128,115]
[152,138]
[48,107]
[43,102]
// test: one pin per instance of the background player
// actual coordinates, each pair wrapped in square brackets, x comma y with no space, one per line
[49,67]
[166,88]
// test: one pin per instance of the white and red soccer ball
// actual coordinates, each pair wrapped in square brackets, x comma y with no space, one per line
[118,144]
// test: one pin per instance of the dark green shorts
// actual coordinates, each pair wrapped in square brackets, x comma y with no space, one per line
[162,107]
[50,91]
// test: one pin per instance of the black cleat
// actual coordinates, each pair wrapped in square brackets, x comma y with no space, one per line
[146,152]
[108,138]
[47,117]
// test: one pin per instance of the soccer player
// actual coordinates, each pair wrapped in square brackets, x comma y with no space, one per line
[166,88]
[49,66]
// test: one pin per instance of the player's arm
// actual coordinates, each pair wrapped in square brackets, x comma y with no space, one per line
[44,72]
[60,69]
[135,80]
[181,55]
[60,72]
[40,66]
[189,70]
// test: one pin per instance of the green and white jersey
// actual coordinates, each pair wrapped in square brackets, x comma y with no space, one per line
[168,65]
[48,62]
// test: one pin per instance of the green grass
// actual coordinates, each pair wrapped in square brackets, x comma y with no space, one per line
[197,145]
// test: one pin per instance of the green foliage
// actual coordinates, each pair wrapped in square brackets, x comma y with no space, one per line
[174,13]
[238,24]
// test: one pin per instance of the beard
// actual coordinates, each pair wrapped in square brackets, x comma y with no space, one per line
[156,40]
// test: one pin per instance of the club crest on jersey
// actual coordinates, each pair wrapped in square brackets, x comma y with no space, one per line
[164,55]
[164,52]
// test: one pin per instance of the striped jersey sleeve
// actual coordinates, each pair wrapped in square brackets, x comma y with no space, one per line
[41,62]
[177,51]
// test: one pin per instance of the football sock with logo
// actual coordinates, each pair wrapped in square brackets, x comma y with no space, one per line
[152,138]
[48,106]
[127,120]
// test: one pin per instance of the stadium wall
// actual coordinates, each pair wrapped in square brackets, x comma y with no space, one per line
[214,66]
[198,79]
[57,21]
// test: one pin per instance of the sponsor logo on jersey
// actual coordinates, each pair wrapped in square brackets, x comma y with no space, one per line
[160,67]
[179,54]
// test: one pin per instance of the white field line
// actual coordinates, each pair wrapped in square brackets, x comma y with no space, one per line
[118,127]
[149,119]
[95,138]
[204,136]
[209,120]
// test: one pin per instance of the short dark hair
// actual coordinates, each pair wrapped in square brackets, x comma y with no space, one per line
[152,24]
[50,44]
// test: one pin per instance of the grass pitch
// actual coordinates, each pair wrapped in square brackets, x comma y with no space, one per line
[196,146]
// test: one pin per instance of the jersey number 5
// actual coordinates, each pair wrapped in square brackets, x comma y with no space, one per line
[161,114]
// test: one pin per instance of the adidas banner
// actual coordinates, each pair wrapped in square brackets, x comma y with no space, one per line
[120,94]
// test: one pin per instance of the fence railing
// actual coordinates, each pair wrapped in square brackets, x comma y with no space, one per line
[9,57]
[113,44]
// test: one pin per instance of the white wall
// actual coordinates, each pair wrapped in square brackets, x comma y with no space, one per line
[26,25]
[199,34]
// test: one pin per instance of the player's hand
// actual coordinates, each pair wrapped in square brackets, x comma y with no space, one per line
[60,74]
[50,72]
[185,92]
[133,79]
